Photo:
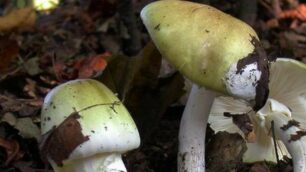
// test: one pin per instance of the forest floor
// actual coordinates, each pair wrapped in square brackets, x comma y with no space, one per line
[106,40]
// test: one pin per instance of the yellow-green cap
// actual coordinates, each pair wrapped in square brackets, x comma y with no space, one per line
[199,40]
[82,118]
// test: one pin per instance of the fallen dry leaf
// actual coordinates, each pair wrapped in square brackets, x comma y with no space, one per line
[8,55]
[295,42]
[298,13]
[69,15]
[68,134]
[26,167]
[12,149]
[34,90]
[24,107]
[259,167]
[26,127]
[81,68]
[31,66]
[30,88]
[9,118]
[20,19]
[243,122]
[92,66]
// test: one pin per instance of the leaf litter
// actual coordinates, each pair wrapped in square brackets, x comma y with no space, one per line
[87,39]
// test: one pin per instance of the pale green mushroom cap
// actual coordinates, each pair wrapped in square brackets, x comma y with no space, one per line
[287,86]
[103,118]
[200,41]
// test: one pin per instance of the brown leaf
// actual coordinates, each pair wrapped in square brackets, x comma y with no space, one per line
[48,80]
[69,15]
[294,42]
[243,122]
[298,13]
[26,166]
[30,88]
[26,126]
[12,149]
[24,107]
[62,140]
[8,55]
[31,66]
[81,68]
[33,90]
[90,67]
[260,167]
[23,18]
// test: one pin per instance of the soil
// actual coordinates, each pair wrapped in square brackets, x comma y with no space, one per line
[105,40]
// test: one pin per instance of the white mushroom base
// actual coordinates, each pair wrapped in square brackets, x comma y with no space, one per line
[98,163]
[281,117]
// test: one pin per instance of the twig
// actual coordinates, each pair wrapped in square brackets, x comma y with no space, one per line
[111,105]
[274,141]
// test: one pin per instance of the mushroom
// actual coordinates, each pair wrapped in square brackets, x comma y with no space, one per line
[86,128]
[286,107]
[214,50]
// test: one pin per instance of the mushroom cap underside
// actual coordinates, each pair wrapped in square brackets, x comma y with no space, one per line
[287,86]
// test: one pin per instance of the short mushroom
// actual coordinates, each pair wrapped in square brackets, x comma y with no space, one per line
[86,128]
[286,107]
[214,50]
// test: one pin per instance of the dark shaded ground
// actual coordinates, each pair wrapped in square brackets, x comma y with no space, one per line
[77,39]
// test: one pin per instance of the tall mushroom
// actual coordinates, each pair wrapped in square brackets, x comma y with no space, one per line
[286,107]
[214,50]
[86,128]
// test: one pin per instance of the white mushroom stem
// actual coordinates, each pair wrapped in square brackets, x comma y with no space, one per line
[297,149]
[285,129]
[98,163]
[191,155]
[104,163]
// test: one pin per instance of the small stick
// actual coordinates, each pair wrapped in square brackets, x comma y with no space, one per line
[274,141]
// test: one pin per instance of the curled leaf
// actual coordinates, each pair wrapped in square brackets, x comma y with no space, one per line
[12,149]
[9,50]
[81,68]
[298,13]
[20,19]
